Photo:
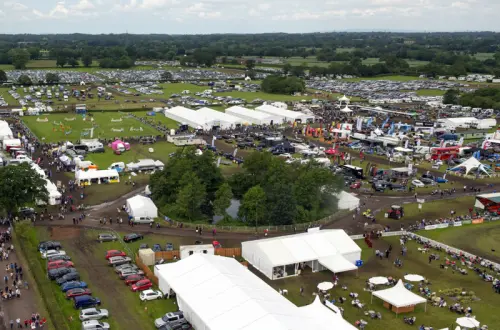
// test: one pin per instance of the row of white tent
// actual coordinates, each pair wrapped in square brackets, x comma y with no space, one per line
[206,118]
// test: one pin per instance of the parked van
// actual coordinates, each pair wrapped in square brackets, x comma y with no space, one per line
[86,301]
[142,220]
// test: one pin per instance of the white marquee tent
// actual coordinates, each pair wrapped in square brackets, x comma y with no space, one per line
[249,116]
[471,164]
[399,296]
[218,293]
[5,131]
[286,115]
[217,118]
[141,207]
[347,201]
[187,116]
[280,257]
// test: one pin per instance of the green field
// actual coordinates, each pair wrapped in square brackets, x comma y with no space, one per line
[51,131]
[430,92]
[414,263]
[434,209]
[479,239]
[484,56]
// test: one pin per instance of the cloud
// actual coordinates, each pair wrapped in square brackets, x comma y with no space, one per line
[83,5]
[16,6]
[2,14]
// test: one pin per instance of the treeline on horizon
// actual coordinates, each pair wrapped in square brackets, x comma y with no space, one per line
[446,53]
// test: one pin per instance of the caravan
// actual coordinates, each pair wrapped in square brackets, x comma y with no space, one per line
[93,145]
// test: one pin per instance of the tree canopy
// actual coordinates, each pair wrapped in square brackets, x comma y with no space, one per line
[486,98]
[282,85]
[20,186]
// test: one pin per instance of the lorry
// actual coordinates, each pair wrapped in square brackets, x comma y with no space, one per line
[93,145]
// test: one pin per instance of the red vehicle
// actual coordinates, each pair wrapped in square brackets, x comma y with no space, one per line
[355,185]
[444,153]
[332,152]
[115,253]
[59,264]
[132,279]
[216,244]
[77,292]
[141,285]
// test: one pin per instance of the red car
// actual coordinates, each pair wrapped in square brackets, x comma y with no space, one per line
[77,292]
[132,279]
[355,185]
[216,244]
[59,264]
[142,285]
[331,152]
[115,253]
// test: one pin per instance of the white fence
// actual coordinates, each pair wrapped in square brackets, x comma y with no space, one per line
[385,234]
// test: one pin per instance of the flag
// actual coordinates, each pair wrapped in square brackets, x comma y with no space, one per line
[235,151]
[213,140]
[461,141]
[406,143]
[418,143]
[218,161]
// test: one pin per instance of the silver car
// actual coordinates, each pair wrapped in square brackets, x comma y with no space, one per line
[125,266]
[93,314]
[106,238]
[94,325]
[116,261]
[169,317]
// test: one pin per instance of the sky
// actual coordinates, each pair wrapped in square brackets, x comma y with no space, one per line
[240,16]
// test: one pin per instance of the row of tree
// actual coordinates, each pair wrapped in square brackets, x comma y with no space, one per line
[271,192]
[485,98]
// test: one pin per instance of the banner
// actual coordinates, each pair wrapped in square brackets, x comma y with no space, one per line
[430,227]
[477,221]
[466,222]
[457,223]
[443,225]
[494,218]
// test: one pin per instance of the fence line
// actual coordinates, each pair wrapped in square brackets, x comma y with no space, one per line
[260,229]
[147,271]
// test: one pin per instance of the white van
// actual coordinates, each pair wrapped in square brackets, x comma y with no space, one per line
[146,220]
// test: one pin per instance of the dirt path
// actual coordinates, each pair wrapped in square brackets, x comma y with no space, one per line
[101,281]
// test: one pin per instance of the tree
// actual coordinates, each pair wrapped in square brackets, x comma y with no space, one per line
[166,75]
[61,61]
[51,78]
[87,59]
[282,85]
[19,186]
[19,58]
[451,96]
[253,205]
[287,68]
[223,198]
[191,196]
[73,62]
[24,80]
[3,76]
[250,64]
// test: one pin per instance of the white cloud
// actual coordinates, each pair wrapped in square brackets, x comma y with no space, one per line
[2,14]
[83,5]
[263,6]
[16,6]
[460,5]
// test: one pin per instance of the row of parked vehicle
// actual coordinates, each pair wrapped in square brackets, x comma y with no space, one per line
[134,278]
[62,270]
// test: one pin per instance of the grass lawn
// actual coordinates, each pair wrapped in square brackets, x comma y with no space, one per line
[414,263]
[137,151]
[484,56]
[52,132]
[435,209]
[159,117]
[478,239]
[101,193]
[430,92]
[7,97]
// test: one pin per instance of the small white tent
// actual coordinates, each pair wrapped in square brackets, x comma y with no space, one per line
[347,201]
[141,207]
[399,297]
[471,164]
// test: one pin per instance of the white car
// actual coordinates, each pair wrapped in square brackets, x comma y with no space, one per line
[52,253]
[94,325]
[150,295]
[285,155]
[418,183]
[93,314]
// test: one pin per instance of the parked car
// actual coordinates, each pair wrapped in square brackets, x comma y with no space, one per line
[59,264]
[427,181]
[68,277]
[85,301]
[73,285]
[150,295]
[59,257]
[156,248]
[131,279]
[106,238]
[169,317]
[169,247]
[115,261]
[143,246]
[141,285]
[49,245]
[441,180]
[49,253]
[177,326]
[58,272]
[132,237]
[115,253]
[93,314]
[418,183]
[94,325]
[125,266]
[78,292]
[129,271]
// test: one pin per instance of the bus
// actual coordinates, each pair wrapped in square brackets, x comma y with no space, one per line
[444,153]
[354,171]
